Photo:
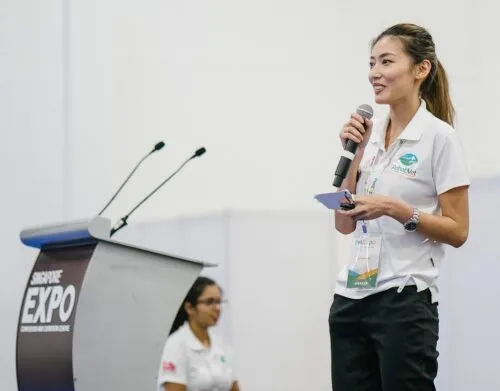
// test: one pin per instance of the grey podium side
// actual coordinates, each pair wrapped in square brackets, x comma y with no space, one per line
[126,305]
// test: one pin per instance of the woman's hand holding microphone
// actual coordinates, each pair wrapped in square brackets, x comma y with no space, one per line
[357,129]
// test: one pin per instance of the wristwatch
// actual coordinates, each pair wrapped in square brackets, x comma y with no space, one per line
[412,223]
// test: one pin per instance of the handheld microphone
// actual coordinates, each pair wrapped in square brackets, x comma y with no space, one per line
[347,157]
[159,145]
[123,221]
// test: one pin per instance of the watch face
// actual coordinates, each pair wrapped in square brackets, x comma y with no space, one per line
[410,227]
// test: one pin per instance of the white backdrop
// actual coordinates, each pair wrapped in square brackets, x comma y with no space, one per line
[469,308]
[87,87]
[32,148]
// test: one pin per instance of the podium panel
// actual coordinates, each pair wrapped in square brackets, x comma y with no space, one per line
[96,312]
[46,324]
[127,305]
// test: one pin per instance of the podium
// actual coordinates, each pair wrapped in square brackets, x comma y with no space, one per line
[96,312]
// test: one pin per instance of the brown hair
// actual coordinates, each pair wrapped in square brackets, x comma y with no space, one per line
[419,45]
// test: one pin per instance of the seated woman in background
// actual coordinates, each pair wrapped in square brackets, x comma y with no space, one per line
[193,358]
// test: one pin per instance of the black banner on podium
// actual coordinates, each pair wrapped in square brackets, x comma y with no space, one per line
[45,330]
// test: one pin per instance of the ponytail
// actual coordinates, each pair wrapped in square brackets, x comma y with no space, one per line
[179,320]
[435,92]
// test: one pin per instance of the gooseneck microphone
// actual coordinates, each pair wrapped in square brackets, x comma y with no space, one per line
[159,145]
[347,157]
[124,220]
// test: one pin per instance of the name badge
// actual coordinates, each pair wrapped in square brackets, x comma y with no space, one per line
[365,260]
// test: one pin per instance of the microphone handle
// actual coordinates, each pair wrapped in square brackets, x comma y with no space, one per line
[351,146]
[345,163]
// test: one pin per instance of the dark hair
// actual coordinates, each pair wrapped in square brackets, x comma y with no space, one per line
[192,297]
[419,45]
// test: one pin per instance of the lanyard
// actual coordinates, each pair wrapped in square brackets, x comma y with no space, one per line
[375,175]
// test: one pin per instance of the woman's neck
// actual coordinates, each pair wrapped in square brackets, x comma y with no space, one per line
[201,333]
[400,115]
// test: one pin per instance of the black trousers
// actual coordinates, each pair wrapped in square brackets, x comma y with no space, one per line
[384,342]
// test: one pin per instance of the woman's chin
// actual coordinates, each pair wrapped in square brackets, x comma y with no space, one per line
[380,99]
[214,321]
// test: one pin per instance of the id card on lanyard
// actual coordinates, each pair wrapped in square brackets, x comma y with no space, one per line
[363,268]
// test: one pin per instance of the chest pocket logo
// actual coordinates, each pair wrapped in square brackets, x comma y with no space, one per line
[408,159]
[406,165]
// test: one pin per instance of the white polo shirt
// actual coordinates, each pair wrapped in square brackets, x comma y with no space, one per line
[186,361]
[425,161]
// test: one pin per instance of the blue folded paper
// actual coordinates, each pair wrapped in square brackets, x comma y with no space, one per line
[333,200]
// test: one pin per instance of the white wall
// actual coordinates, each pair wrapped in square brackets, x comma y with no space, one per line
[245,79]
[32,148]
[471,308]
[281,276]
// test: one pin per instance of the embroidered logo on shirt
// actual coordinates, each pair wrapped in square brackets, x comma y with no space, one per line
[403,165]
[408,159]
[168,366]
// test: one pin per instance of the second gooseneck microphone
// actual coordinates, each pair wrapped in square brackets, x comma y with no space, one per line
[124,220]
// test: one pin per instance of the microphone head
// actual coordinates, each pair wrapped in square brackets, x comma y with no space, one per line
[158,146]
[365,111]
[200,151]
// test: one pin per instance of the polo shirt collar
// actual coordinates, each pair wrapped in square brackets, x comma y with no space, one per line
[192,341]
[412,131]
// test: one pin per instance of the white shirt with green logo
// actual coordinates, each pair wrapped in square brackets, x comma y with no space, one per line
[426,161]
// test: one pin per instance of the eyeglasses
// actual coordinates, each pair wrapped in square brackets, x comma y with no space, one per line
[212,301]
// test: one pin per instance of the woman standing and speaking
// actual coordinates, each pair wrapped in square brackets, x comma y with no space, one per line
[411,184]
